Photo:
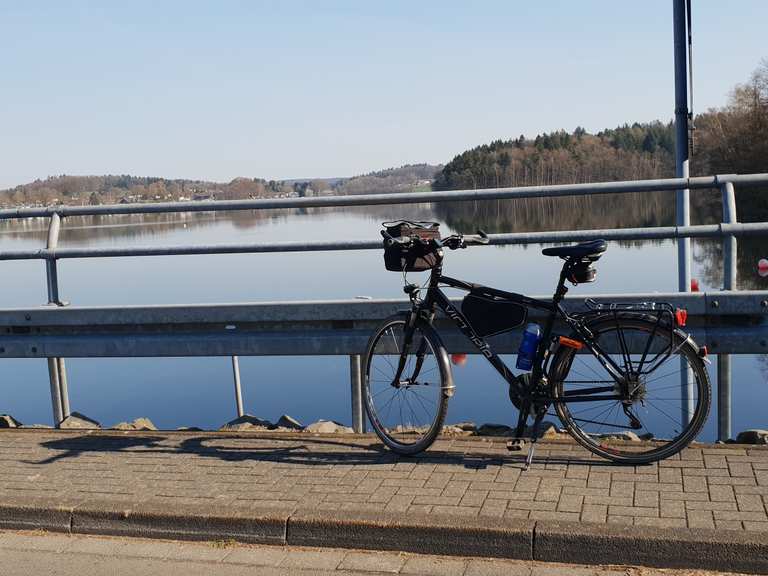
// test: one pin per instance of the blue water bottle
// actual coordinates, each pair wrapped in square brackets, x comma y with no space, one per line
[528,346]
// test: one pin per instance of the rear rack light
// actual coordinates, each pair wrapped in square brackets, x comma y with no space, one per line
[570,343]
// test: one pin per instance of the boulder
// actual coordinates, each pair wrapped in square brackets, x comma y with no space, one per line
[286,421]
[466,426]
[550,431]
[456,430]
[494,430]
[8,421]
[247,423]
[137,424]
[754,436]
[626,435]
[400,429]
[77,421]
[328,427]
[37,426]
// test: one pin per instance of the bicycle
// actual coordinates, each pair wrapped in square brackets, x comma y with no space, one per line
[603,379]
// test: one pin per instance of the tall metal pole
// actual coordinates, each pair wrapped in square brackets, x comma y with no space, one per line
[681,141]
[724,410]
[682,211]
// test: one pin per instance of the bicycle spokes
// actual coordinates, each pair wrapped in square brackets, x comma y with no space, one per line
[404,382]
[650,405]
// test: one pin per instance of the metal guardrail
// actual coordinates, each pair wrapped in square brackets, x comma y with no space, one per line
[728,323]
[724,321]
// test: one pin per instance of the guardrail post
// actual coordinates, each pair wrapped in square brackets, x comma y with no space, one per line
[57,371]
[53,375]
[724,392]
[355,375]
[63,388]
[238,389]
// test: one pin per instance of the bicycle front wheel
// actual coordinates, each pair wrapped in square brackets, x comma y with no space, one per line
[406,410]
[665,399]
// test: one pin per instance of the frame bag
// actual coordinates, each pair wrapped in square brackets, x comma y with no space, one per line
[489,316]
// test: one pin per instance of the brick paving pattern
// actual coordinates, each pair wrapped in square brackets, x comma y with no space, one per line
[26,554]
[723,486]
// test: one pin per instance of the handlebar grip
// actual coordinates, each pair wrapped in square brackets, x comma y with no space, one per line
[479,239]
[389,239]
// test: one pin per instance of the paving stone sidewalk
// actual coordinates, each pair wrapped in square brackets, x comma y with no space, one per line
[723,486]
[31,554]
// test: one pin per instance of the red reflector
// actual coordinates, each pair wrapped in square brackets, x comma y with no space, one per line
[681,315]
[703,352]
[571,343]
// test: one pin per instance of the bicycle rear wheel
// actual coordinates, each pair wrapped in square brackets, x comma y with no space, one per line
[407,413]
[659,416]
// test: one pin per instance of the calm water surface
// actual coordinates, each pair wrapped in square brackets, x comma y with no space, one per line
[198,391]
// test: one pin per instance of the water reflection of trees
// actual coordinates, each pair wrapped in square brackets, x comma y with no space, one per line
[88,229]
[564,213]
[82,230]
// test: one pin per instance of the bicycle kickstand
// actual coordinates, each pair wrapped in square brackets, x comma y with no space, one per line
[534,437]
[518,442]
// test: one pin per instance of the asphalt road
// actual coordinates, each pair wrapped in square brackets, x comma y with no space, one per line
[36,553]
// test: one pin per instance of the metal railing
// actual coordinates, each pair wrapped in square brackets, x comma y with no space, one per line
[725,321]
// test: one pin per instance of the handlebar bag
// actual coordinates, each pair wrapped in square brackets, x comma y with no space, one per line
[489,316]
[418,256]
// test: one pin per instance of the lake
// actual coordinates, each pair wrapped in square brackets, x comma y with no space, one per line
[176,392]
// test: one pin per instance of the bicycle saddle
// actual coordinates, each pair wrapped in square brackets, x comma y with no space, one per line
[582,250]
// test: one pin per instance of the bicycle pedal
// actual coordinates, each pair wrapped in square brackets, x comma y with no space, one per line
[516,445]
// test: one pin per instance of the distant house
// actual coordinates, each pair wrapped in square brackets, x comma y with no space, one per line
[131,199]
[204,196]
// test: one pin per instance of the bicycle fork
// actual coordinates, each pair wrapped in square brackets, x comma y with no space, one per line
[420,354]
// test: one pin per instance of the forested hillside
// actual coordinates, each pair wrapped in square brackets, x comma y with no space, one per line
[66,189]
[732,139]
[625,153]
[407,178]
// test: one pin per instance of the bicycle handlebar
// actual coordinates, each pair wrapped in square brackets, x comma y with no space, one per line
[453,242]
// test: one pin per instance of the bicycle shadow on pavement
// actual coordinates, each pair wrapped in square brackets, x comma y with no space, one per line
[289,450]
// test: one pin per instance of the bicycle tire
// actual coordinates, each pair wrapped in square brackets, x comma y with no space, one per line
[649,449]
[385,345]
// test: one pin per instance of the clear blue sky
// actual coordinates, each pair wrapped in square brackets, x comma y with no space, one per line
[215,90]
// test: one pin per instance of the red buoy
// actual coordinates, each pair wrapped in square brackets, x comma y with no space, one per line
[694,285]
[762,267]
[459,359]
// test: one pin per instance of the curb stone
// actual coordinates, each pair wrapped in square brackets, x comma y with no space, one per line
[426,534]
[724,550]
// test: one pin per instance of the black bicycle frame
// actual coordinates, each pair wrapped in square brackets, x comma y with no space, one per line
[435,298]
